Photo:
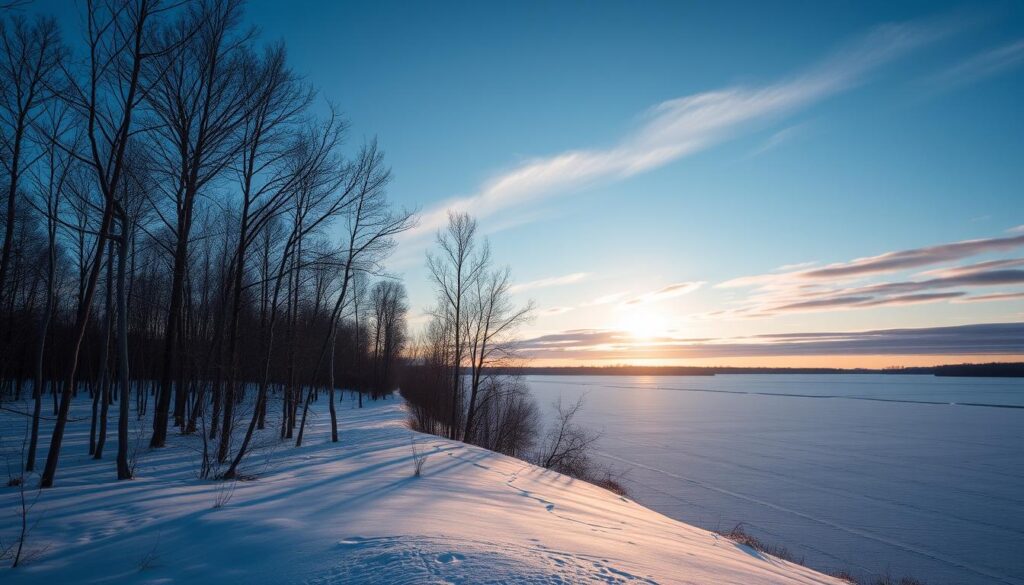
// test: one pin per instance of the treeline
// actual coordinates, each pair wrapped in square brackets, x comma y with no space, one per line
[184,232]
[990,370]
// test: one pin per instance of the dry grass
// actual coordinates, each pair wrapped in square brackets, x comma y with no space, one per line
[740,536]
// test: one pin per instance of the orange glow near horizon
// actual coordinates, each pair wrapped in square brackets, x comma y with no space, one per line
[823,361]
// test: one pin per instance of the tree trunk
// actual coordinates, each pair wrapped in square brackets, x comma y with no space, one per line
[105,378]
[330,377]
[123,469]
[161,411]
[53,456]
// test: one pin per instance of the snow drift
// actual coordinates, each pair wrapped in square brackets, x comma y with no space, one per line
[353,512]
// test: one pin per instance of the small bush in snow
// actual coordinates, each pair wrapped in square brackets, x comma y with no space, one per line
[843,575]
[740,536]
[419,458]
[887,580]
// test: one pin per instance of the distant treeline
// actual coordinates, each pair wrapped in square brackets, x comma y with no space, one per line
[993,370]
[990,370]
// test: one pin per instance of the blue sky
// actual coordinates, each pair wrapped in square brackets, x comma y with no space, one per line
[622,148]
[836,131]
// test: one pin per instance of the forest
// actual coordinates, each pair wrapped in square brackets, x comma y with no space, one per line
[187,230]
[193,245]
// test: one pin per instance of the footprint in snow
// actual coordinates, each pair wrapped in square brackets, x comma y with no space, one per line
[400,560]
[449,557]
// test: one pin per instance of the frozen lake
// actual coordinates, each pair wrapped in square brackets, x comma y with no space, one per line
[905,475]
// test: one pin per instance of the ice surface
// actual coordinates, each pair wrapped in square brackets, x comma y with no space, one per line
[872,473]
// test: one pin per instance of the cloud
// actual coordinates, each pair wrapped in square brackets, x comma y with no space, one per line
[856,284]
[978,339]
[913,299]
[876,295]
[978,278]
[548,282]
[666,292]
[598,337]
[855,302]
[680,127]
[828,303]
[797,266]
[992,297]
[606,299]
[803,288]
[555,310]
[781,137]
[984,64]
[902,260]
[977,267]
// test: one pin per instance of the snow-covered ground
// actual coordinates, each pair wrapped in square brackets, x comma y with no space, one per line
[351,512]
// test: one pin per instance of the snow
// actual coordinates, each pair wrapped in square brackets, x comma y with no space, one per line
[351,512]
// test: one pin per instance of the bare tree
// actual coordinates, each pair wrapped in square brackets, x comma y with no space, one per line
[49,189]
[507,419]
[371,226]
[269,153]
[454,269]
[566,448]
[129,211]
[387,328]
[119,41]
[30,61]
[322,192]
[201,96]
[492,323]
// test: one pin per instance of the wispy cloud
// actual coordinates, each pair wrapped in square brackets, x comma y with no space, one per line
[683,126]
[984,64]
[595,344]
[976,267]
[893,261]
[975,278]
[779,300]
[797,266]
[666,292]
[887,262]
[780,137]
[992,297]
[914,299]
[549,282]
[550,311]
[607,299]
[866,282]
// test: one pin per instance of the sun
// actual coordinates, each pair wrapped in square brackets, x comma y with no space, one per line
[641,323]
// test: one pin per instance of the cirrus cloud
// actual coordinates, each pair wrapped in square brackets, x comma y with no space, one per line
[596,344]
[683,126]
[666,292]
[549,282]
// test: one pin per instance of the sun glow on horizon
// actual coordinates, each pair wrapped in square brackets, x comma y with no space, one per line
[641,323]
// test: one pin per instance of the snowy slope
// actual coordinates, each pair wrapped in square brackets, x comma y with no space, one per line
[354,513]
